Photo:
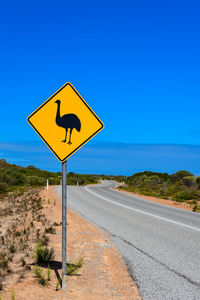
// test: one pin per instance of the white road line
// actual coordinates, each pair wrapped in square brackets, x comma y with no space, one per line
[143,212]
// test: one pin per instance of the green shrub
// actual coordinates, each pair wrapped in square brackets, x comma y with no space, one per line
[180,175]
[38,273]
[3,187]
[13,175]
[196,207]
[184,195]
[72,268]
[12,248]
[18,178]
[50,230]
[3,261]
[189,181]
[44,240]
[43,255]
[36,180]
[198,181]
[73,178]
[23,262]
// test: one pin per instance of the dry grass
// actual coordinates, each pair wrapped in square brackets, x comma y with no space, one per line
[22,226]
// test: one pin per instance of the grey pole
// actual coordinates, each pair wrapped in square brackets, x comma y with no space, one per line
[64,223]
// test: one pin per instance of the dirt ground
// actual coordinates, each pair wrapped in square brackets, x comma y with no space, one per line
[182,205]
[103,275]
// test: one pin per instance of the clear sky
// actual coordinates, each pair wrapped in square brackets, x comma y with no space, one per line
[136,63]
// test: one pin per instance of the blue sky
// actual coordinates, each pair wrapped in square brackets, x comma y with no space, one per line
[136,63]
[108,158]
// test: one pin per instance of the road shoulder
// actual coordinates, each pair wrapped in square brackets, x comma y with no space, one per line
[103,275]
[182,205]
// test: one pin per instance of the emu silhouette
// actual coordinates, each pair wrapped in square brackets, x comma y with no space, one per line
[69,121]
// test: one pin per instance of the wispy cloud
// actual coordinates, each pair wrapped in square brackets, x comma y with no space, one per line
[108,158]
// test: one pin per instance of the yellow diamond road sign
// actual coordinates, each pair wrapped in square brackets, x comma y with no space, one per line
[65,122]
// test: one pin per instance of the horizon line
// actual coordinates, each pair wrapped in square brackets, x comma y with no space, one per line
[111,142]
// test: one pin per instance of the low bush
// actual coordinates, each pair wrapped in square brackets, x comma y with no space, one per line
[12,248]
[38,273]
[180,175]
[189,181]
[196,207]
[72,268]
[23,262]
[3,261]
[50,230]
[184,195]
[44,240]
[3,187]
[43,255]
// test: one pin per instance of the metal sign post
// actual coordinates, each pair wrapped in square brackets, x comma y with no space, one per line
[65,115]
[64,223]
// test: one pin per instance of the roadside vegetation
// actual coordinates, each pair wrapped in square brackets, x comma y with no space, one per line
[81,179]
[12,177]
[25,230]
[181,186]
[25,233]
[22,225]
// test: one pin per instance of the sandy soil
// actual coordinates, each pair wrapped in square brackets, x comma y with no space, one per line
[103,275]
[182,205]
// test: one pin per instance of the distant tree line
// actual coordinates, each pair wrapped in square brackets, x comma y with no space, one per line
[12,176]
[179,186]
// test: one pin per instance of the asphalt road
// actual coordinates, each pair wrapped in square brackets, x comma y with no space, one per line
[160,244]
